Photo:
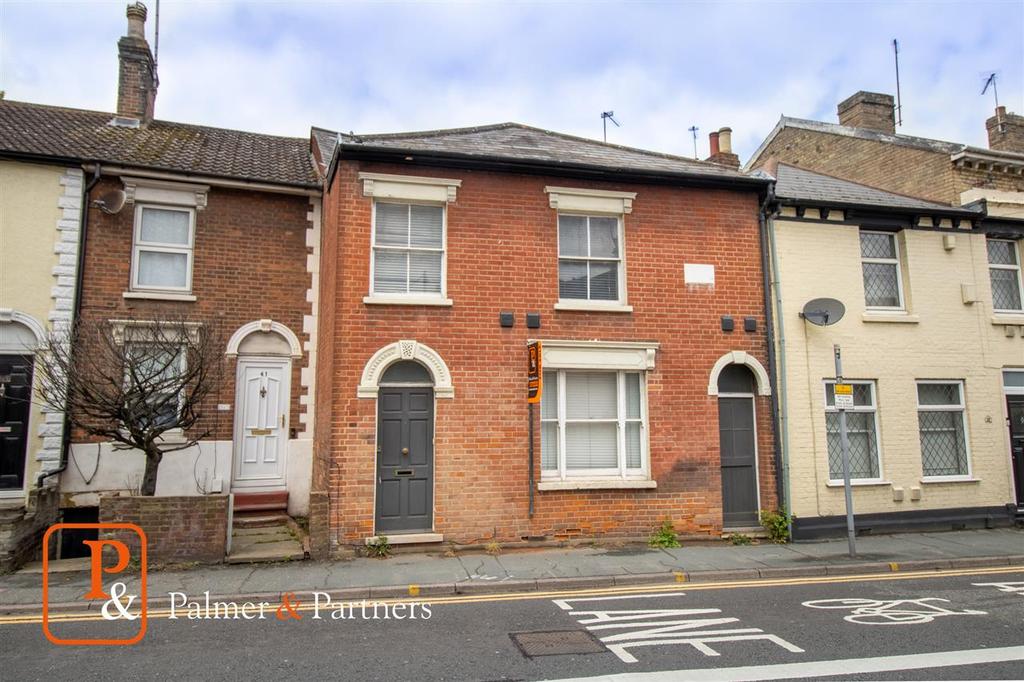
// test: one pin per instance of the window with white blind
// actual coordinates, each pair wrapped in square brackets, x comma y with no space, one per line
[880,263]
[163,249]
[943,429]
[861,432]
[593,425]
[408,250]
[1005,274]
[590,258]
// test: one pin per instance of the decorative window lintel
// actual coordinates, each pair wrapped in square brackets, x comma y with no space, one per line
[146,190]
[409,187]
[590,200]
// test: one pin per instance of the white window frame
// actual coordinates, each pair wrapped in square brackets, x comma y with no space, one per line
[1015,245]
[139,246]
[897,261]
[878,435]
[423,298]
[569,303]
[622,472]
[962,408]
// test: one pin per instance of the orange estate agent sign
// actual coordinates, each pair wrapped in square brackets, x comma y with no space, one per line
[535,383]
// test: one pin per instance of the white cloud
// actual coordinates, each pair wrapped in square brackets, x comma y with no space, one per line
[372,67]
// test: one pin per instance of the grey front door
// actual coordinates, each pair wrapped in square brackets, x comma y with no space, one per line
[738,438]
[15,399]
[405,460]
[1015,409]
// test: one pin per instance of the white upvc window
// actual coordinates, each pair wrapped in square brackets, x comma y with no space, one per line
[594,425]
[880,264]
[408,250]
[1004,270]
[942,425]
[162,251]
[590,260]
[861,431]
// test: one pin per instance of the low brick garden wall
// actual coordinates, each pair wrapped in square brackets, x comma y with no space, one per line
[22,527]
[178,529]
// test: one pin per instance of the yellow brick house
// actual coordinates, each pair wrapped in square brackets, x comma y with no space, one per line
[40,223]
[931,341]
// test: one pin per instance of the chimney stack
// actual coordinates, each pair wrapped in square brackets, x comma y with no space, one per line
[136,83]
[721,148]
[871,110]
[1005,131]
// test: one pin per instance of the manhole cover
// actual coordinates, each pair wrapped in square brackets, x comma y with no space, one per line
[556,643]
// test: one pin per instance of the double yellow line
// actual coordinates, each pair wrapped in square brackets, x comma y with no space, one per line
[561,594]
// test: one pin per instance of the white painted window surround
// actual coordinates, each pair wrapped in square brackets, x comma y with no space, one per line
[594,415]
[881,263]
[408,266]
[591,247]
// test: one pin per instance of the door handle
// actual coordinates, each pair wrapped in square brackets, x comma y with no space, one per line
[405,451]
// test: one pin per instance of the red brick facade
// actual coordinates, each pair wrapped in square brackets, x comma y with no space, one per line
[249,264]
[502,256]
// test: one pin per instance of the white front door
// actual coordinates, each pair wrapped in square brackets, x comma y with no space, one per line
[261,421]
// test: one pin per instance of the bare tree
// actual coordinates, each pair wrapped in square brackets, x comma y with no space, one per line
[144,385]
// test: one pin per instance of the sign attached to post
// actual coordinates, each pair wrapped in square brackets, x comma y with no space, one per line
[534,382]
[844,396]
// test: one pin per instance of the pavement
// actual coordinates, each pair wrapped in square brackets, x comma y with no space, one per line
[429,575]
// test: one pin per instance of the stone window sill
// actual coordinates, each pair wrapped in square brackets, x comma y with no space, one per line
[159,296]
[898,318]
[377,299]
[591,307]
[1007,318]
[950,479]
[858,483]
[598,484]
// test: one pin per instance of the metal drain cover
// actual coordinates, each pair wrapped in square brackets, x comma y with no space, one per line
[556,643]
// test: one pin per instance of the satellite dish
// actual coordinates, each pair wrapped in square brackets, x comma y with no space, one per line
[111,202]
[823,311]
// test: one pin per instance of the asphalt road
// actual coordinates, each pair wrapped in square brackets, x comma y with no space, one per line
[897,627]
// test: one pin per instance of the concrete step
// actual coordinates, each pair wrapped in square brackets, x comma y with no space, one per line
[266,552]
[267,501]
[259,520]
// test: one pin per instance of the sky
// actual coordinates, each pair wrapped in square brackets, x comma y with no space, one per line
[662,67]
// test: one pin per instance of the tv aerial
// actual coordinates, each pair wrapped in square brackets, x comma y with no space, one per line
[605,117]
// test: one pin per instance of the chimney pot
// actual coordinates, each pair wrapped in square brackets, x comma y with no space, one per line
[725,140]
[136,83]
[713,141]
[137,20]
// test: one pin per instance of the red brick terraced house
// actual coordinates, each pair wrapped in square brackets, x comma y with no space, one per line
[444,253]
[219,227]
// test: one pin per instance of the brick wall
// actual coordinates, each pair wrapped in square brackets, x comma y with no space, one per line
[895,168]
[250,264]
[502,255]
[22,527]
[177,529]
[917,172]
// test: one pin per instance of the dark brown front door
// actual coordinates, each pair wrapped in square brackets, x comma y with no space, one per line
[1015,409]
[15,400]
[737,440]
[405,460]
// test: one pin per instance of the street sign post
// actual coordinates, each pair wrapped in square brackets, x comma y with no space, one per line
[844,402]
[534,388]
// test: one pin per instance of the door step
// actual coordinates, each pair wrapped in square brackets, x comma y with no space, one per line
[258,519]
[273,538]
[266,501]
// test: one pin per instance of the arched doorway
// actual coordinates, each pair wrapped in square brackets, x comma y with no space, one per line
[20,336]
[737,432]
[263,373]
[405,449]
